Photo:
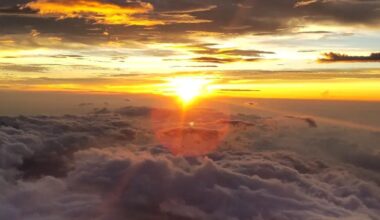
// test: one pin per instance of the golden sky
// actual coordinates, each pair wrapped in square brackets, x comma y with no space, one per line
[265,49]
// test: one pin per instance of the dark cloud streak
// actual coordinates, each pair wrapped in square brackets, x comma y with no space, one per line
[338,57]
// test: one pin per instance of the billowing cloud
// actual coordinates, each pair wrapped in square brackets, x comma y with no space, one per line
[110,166]
[338,57]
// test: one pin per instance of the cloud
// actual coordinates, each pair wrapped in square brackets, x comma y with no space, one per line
[196,66]
[117,183]
[98,11]
[31,68]
[49,137]
[310,121]
[237,123]
[239,90]
[247,53]
[87,21]
[337,57]
[210,49]
[112,166]
[131,12]
[209,53]
[223,60]
[133,111]
[204,188]
[301,3]
[190,141]
[85,104]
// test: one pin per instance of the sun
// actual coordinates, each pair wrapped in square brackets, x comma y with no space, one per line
[188,88]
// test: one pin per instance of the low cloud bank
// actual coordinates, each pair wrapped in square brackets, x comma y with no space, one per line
[112,166]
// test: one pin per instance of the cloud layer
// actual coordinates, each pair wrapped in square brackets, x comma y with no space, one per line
[118,36]
[217,16]
[109,165]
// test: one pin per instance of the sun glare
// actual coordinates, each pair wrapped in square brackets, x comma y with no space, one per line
[188,88]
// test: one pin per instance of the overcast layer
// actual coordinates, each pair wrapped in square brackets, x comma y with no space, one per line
[117,164]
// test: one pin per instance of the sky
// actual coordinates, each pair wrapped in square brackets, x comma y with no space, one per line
[189,109]
[294,49]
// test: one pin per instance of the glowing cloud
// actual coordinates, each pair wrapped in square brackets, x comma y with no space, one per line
[132,12]
[94,10]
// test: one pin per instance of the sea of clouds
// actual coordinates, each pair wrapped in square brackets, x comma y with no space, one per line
[115,164]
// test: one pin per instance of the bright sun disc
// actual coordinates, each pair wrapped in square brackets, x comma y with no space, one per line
[188,88]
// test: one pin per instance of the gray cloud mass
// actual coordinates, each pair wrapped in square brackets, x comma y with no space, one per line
[112,166]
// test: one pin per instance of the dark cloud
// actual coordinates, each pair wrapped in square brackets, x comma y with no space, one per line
[9,3]
[337,57]
[174,17]
[311,122]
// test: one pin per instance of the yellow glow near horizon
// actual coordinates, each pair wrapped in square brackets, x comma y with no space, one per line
[188,88]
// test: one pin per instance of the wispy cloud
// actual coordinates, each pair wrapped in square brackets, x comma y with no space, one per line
[23,68]
[223,60]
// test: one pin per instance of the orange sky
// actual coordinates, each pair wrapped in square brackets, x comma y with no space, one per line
[240,49]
